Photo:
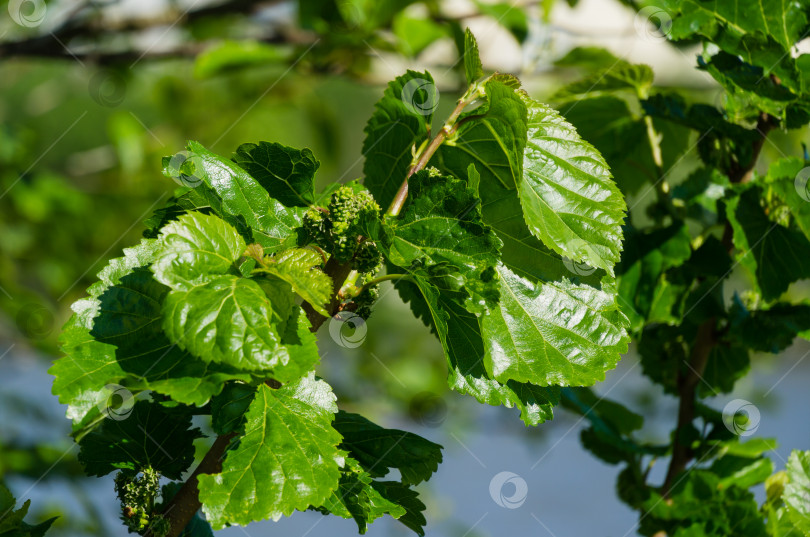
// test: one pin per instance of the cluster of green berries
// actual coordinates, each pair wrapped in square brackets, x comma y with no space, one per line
[338,228]
[365,300]
[137,495]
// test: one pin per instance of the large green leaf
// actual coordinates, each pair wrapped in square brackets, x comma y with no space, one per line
[286,173]
[87,365]
[130,325]
[400,121]
[244,199]
[440,229]
[225,319]
[287,459]
[460,336]
[149,436]
[569,199]
[762,32]
[775,255]
[378,449]
[193,246]
[797,491]
[556,333]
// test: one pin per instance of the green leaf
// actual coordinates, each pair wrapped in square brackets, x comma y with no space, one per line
[762,32]
[569,199]
[588,59]
[130,325]
[356,498]
[230,55]
[399,124]
[472,60]
[150,436]
[299,354]
[416,34]
[301,268]
[378,449]
[88,365]
[286,173]
[741,472]
[553,333]
[699,504]
[402,495]
[460,336]
[440,230]
[770,329]
[609,437]
[507,15]
[194,246]
[728,362]
[785,179]
[225,319]
[229,407]
[11,520]
[244,199]
[287,459]
[776,256]
[620,75]
[645,259]
[797,491]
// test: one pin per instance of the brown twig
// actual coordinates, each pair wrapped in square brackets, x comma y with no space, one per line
[186,502]
[688,381]
[707,337]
